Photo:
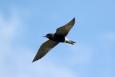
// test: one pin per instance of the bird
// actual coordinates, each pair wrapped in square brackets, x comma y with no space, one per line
[54,39]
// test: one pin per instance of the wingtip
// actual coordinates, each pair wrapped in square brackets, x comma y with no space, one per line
[34,60]
[73,18]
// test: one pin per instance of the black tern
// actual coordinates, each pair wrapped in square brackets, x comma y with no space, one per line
[54,39]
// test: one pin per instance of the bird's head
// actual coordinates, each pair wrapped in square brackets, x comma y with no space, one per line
[49,35]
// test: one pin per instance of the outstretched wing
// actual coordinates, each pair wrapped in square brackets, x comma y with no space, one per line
[66,28]
[44,48]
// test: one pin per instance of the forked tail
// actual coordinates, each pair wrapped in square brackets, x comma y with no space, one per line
[70,42]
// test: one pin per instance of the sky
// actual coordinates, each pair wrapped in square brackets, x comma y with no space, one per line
[24,22]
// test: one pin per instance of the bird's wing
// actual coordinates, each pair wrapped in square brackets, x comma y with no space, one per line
[66,28]
[44,48]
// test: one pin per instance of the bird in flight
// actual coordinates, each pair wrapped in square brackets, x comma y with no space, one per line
[54,39]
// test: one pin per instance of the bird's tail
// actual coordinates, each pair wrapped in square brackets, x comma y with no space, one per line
[70,42]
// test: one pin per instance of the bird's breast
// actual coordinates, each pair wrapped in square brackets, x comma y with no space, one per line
[58,38]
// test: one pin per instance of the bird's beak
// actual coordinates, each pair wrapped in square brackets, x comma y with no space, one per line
[44,36]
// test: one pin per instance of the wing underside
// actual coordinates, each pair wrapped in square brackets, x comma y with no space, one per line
[44,48]
[66,28]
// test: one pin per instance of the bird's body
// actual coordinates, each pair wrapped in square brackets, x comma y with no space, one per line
[55,38]
[59,38]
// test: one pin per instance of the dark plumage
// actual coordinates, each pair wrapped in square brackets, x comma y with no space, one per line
[54,39]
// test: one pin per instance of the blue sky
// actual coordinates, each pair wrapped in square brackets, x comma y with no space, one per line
[24,22]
